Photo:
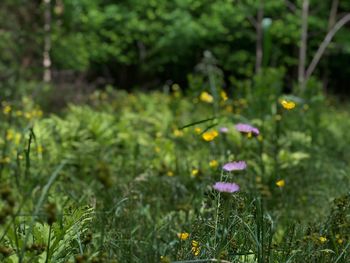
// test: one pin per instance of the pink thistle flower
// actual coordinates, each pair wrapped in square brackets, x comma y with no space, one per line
[246,128]
[223,130]
[235,166]
[226,187]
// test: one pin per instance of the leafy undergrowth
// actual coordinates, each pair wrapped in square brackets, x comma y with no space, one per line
[129,178]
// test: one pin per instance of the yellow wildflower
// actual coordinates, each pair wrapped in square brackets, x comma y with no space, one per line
[183,236]
[213,163]
[7,109]
[195,172]
[18,137]
[10,135]
[197,130]
[339,239]
[195,248]
[209,136]
[280,183]
[5,160]
[206,97]
[249,135]
[223,95]
[323,239]
[170,173]
[288,105]
[40,149]
[19,113]
[28,115]
[195,243]
[178,133]
[37,113]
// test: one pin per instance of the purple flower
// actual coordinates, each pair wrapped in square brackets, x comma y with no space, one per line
[226,187]
[223,130]
[235,166]
[246,128]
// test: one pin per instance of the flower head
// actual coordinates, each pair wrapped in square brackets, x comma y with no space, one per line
[195,248]
[178,133]
[206,97]
[183,236]
[323,239]
[223,130]
[246,128]
[209,136]
[235,166]
[280,183]
[213,163]
[223,95]
[197,130]
[6,109]
[226,187]
[288,105]
[195,172]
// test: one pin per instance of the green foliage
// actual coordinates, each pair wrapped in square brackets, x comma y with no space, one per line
[168,37]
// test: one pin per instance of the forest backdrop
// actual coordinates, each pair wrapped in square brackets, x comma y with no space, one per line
[144,44]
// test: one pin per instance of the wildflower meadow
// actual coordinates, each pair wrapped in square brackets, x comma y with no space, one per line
[174,131]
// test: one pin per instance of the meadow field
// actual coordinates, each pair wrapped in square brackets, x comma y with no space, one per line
[134,177]
[182,131]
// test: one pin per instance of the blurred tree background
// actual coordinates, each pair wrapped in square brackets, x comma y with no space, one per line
[146,43]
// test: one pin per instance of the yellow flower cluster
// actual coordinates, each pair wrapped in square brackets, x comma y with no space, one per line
[6,109]
[195,248]
[14,136]
[339,239]
[5,160]
[35,113]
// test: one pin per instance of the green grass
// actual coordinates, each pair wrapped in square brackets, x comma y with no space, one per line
[118,178]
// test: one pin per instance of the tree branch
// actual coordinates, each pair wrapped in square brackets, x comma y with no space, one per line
[303,44]
[325,44]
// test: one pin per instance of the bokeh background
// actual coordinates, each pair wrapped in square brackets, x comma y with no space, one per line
[138,44]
